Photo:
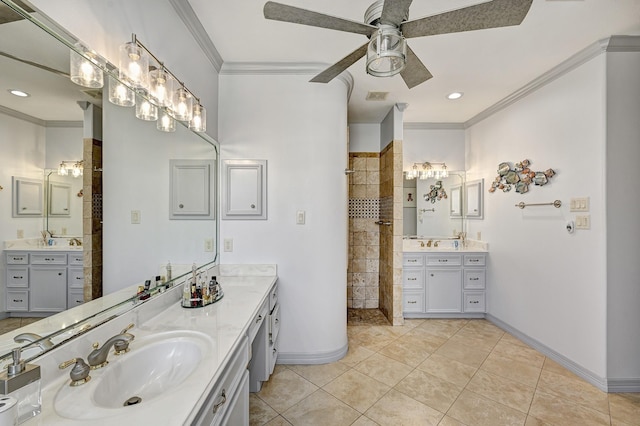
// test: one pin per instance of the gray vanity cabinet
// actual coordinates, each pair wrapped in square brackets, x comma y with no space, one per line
[443,284]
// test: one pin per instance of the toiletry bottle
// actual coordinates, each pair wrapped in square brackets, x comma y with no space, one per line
[168,272]
[186,294]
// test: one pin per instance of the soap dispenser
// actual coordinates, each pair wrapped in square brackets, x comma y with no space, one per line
[22,382]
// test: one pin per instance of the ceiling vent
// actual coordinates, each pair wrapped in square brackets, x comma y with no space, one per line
[377,96]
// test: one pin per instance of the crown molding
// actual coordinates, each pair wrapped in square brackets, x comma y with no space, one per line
[610,44]
[22,116]
[66,124]
[284,68]
[433,126]
[193,24]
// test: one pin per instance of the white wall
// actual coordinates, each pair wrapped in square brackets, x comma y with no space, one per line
[135,159]
[105,25]
[301,130]
[623,227]
[364,137]
[544,282]
[423,142]
[63,143]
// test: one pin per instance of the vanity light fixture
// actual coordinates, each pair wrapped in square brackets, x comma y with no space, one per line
[386,52]
[134,64]
[166,123]
[429,170]
[145,109]
[182,105]
[161,86]
[198,122]
[19,93]
[454,95]
[120,94]
[86,67]
[76,168]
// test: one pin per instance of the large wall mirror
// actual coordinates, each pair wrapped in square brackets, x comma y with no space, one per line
[430,206]
[56,122]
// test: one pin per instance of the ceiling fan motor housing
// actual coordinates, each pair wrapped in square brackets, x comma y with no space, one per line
[374,12]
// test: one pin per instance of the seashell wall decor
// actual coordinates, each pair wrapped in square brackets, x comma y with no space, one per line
[519,176]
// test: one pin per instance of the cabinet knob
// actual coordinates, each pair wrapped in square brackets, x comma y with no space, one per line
[259,319]
[253,206]
[17,300]
[59,274]
[181,206]
[412,302]
[432,275]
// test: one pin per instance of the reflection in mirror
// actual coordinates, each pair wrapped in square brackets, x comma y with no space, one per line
[433,219]
[136,178]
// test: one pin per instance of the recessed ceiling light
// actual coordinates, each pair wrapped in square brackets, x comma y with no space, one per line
[454,95]
[19,93]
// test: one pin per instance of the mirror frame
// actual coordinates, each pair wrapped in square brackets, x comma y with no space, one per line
[110,306]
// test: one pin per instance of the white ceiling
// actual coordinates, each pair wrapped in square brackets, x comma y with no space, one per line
[486,65]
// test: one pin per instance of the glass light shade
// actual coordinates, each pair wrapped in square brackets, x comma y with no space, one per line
[76,171]
[386,53]
[161,86]
[85,68]
[120,94]
[134,65]
[198,122]
[182,105]
[62,170]
[145,110]
[165,122]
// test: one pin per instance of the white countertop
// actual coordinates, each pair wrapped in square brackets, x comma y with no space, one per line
[224,322]
[415,245]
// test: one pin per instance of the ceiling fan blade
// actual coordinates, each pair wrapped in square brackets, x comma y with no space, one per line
[414,72]
[395,11]
[283,12]
[337,68]
[493,14]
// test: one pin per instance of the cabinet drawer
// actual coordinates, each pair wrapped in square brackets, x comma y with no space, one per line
[444,260]
[273,356]
[273,297]
[274,324]
[76,259]
[474,260]
[17,258]
[17,300]
[18,276]
[474,301]
[413,279]
[474,279]
[258,320]
[48,258]
[75,298]
[412,260]
[413,301]
[75,278]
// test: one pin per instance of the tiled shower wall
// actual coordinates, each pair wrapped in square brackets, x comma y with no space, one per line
[364,234]
[92,219]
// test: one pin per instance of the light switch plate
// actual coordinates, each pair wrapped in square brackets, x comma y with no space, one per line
[228,244]
[300,217]
[579,204]
[208,244]
[583,221]
[135,217]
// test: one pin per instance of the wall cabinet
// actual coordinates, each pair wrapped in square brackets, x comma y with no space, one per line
[244,189]
[444,284]
[43,282]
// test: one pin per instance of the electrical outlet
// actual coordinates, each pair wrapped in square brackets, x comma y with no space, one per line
[228,244]
[479,236]
[20,233]
[300,217]
[135,217]
[208,244]
[583,221]
[579,204]
[64,230]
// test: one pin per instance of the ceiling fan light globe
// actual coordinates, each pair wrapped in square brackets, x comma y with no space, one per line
[386,53]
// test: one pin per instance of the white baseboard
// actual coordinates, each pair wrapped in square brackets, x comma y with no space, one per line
[312,358]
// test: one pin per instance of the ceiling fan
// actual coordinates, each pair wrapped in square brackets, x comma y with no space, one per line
[387,26]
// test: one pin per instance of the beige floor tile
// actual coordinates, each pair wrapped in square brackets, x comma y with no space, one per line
[321,409]
[575,390]
[551,365]
[259,411]
[447,369]
[505,391]
[470,340]
[357,390]
[484,327]
[557,411]
[278,421]
[450,421]
[462,353]
[284,389]
[487,333]
[384,369]
[406,349]
[355,355]
[428,340]
[443,328]
[473,409]
[512,339]
[430,390]
[519,353]
[625,408]
[320,374]
[532,421]
[364,421]
[510,369]
[395,409]
[373,338]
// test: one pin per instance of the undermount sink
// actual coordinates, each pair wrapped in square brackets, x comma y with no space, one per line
[156,367]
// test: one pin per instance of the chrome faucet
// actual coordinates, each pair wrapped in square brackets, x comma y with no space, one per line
[98,357]
[44,344]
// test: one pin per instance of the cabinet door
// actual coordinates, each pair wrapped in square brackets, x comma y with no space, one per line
[244,189]
[59,199]
[191,189]
[48,289]
[238,409]
[444,290]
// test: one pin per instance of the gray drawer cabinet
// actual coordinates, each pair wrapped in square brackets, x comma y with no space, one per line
[43,282]
[445,285]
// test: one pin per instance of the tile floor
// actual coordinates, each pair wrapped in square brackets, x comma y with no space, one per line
[435,372]
[10,324]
